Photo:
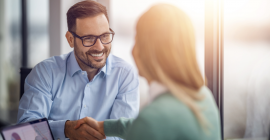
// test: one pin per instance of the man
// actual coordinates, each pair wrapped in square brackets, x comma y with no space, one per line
[87,82]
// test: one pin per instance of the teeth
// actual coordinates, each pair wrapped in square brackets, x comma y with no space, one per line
[97,55]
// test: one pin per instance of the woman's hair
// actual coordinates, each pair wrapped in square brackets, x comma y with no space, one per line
[166,42]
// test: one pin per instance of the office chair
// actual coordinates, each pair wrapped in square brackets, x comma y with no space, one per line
[3,125]
[24,72]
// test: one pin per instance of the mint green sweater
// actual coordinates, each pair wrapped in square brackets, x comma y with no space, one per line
[167,118]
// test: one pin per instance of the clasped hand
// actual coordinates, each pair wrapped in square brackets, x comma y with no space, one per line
[85,129]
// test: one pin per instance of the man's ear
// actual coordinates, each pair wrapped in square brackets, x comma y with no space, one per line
[70,39]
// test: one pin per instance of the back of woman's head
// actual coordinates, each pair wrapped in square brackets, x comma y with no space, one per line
[166,39]
[166,42]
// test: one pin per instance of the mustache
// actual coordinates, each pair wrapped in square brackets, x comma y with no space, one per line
[95,51]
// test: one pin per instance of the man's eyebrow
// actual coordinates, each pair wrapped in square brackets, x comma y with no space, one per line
[97,35]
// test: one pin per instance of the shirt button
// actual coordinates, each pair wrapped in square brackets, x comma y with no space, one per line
[87,85]
[82,73]
[84,106]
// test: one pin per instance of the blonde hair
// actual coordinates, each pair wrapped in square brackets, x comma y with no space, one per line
[166,42]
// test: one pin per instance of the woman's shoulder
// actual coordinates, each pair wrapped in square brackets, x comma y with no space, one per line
[167,103]
[167,118]
[156,120]
[165,107]
[167,114]
[161,104]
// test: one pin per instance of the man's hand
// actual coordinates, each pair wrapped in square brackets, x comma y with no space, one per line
[83,132]
[99,126]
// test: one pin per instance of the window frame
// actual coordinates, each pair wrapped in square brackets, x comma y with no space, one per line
[214,57]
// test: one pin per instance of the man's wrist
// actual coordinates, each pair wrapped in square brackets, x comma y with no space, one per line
[67,124]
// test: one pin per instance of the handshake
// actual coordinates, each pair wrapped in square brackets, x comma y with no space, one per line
[85,129]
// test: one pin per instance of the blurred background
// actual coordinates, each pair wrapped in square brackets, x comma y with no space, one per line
[246,68]
[246,49]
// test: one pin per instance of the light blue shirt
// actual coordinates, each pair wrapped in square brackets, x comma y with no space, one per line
[59,90]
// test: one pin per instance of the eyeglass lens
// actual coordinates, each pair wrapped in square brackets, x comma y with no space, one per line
[90,40]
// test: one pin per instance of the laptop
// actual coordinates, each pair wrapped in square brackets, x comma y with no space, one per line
[33,130]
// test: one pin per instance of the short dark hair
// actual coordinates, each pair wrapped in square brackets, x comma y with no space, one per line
[84,9]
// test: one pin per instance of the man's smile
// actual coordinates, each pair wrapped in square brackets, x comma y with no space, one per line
[97,56]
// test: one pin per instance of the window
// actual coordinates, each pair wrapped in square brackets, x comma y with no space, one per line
[246,68]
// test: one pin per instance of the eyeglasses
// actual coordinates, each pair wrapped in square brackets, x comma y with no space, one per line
[90,40]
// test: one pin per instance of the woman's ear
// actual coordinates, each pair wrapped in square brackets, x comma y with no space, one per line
[70,39]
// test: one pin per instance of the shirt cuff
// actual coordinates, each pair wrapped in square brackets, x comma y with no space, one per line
[58,128]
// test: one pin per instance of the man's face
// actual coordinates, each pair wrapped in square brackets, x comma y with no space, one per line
[96,55]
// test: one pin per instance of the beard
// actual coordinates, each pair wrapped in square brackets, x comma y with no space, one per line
[85,58]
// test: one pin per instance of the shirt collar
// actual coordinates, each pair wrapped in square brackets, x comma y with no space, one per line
[108,66]
[74,66]
[104,70]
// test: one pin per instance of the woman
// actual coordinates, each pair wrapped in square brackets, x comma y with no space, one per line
[181,107]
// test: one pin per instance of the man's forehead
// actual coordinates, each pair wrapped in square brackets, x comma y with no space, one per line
[95,25]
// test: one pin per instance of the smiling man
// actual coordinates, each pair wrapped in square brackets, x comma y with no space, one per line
[87,82]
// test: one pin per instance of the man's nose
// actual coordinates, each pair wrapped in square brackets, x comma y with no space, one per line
[98,45]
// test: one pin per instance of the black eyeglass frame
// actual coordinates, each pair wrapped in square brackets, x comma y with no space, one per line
[97,37]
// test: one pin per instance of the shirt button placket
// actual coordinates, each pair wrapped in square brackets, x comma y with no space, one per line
[83,110]
[84,107]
